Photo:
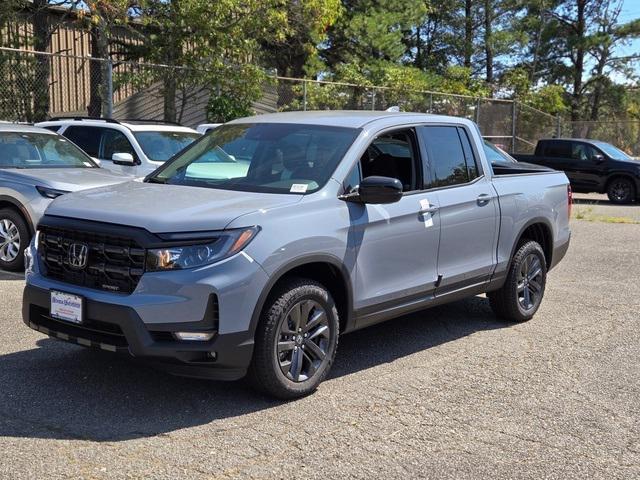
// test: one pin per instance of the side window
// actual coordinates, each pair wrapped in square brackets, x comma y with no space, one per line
[447,157]
[353,179]
[87,138]
[394,155]
[558,149]
[582,151]
[114,141]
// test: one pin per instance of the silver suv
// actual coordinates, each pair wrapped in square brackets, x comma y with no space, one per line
[37,166]
[253,250]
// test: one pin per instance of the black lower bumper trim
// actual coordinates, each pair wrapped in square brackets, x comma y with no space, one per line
[118,328]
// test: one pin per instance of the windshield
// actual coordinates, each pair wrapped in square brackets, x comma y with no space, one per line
[495,154]
[40,150]
[262,157]
[161,146]
[613,152]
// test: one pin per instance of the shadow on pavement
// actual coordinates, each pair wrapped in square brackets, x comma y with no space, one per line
[4,275]
[63,391]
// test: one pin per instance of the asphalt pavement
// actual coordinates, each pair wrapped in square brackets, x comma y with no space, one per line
[445,393]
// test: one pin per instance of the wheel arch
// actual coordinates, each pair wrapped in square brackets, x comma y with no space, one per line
[540,230]
[10,202]
[326,269]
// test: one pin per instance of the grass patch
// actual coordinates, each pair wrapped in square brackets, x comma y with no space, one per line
[588,215]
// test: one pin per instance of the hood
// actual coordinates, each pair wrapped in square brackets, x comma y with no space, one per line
[68,179]
[165,208]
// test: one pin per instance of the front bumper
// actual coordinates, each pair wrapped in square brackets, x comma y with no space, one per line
[119,328]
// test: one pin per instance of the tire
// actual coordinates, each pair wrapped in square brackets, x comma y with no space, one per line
[14,239]
[518,300]
[280,346]
[621,190]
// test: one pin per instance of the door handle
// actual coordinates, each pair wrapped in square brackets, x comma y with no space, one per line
[431,209]
[483,200]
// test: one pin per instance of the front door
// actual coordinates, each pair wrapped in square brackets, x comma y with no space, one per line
[395,245]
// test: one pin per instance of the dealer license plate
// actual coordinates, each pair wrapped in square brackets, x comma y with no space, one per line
[67,307]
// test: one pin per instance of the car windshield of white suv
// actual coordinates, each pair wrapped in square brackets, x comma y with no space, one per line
[613,152]
[40,150]
[161,146]
[261,157]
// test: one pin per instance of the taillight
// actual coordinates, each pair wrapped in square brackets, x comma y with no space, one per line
[569,199]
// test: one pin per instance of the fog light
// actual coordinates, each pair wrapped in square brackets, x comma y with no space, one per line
[194,336]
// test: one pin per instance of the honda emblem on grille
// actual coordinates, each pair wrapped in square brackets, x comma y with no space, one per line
[78,255]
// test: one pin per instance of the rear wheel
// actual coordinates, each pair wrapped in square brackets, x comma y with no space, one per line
[520,296]
[296,340]
[14,238]
[621,190]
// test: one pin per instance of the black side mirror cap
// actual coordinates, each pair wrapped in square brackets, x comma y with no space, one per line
[598,158]
[377,190]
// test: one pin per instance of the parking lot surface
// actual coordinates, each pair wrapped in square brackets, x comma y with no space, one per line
[444,393]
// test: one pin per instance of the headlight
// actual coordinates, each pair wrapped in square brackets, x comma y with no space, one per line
[50,192]
[226,244]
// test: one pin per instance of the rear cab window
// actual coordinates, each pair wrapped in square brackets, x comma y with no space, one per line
[557,149]
[449,155]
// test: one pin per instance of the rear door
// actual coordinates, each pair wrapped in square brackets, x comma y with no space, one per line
[467,206]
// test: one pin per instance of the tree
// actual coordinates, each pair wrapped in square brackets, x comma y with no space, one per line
[215,43]
[305,27]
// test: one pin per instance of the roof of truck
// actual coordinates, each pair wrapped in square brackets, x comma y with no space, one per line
[340,118]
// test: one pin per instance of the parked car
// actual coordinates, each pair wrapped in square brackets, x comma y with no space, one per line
[342,220]
[591,165]
[504,164]
[37,166]
[207,127]
[129,147]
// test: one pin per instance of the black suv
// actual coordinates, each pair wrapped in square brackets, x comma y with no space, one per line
[591,165]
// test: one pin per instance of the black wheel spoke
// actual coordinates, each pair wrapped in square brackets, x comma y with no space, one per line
[285,346]
[318,317]
[313,348]
[296,364]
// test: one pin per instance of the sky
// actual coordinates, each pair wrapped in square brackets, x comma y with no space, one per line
[631,11]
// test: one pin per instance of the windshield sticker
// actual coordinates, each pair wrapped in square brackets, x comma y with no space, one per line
[299,188]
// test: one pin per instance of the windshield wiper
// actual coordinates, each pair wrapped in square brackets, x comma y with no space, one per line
[155,180]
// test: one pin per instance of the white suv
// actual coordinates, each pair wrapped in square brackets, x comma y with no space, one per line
[130,147]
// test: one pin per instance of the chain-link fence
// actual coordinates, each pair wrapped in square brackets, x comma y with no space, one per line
[36,86]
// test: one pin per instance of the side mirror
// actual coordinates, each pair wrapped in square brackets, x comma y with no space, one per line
[123,158]
[597,158]
[379,190]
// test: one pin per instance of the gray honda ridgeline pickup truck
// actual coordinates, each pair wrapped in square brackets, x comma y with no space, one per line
[251,251]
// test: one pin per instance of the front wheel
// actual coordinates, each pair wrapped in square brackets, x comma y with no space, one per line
[621,190]
[14,238]
[296,340]
[520,296]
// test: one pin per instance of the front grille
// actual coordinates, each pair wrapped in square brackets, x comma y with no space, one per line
[113,263]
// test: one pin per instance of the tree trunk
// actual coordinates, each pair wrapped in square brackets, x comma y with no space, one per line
[41,43]
[468,33]
[578,72]
[94,109]
[488,47]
